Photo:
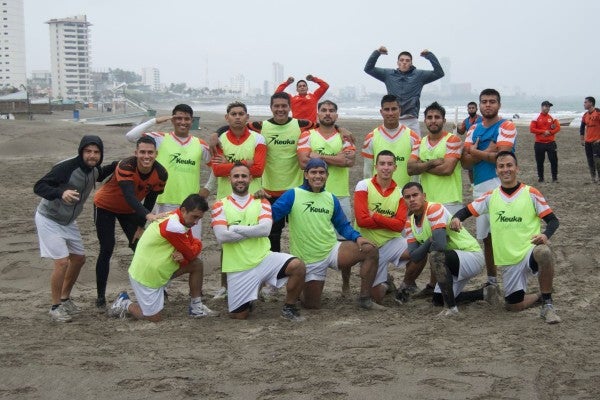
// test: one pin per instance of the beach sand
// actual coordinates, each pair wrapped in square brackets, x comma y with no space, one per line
[339,352]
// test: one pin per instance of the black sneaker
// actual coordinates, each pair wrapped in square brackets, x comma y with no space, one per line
[425,293]
[101,302]
[291,313]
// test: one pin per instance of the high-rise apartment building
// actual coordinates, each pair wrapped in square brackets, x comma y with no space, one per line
[12,45]
[70,58]
[151,77]
[277,74]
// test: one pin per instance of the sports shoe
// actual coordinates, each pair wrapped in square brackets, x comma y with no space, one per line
[391,287]
[291,313]
[268,293]
[119,306]
[425,293]
[101,302]
[367,304]
[548,314]
[70,307]
[402,296]
[199,310]
[221,293]
[59,314]
[449,313]
[491,294]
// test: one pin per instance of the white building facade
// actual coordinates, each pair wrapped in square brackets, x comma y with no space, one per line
[70,58]
[13,73]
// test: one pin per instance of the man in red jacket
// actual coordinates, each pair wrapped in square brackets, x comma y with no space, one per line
[544,127]
[304,104]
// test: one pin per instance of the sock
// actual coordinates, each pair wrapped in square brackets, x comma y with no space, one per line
[196,300]
[55,306]
[547,298]
[492,280]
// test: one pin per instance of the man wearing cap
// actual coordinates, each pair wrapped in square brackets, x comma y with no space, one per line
[545,127]
[314,217]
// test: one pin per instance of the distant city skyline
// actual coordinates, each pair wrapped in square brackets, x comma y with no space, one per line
[506,45]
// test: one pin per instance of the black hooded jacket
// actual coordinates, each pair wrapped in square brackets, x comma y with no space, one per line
[70,174]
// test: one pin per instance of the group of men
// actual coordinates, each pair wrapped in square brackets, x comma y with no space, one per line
[295,170]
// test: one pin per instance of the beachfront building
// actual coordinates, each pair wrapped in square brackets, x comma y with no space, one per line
[70,58]
[277,74]
[151,78]
[12,45]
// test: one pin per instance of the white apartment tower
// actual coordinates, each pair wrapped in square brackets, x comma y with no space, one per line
[12,45]
[151,77]
[277,74]
[70,58]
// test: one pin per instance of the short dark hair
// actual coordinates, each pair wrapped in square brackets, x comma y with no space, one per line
[389,98]
[504,153]
[412,184]
[405,53]
[280,95]
[490,92]
[239,164]
[435,106]
[472,103]
[385,153]
[184,108]
[301,80]
[591,100]
[331,103]
[236,104]
[147,140]
[195,202]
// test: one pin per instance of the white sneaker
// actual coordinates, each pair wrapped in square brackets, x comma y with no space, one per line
[491,294]
[268,293]
[548,314]
[221,293]
[199,310]
[59,314]
[70,307]
[449,313]
[119,306]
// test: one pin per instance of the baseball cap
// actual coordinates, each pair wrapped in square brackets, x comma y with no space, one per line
[547,103]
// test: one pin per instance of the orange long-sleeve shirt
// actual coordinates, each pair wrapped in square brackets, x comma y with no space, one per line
[305,107]
[544,123]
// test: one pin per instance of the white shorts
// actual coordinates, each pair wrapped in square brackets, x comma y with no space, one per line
[412,123]
[515,277]
[453,207]
[196,229]
[347,209]
[317,271]
[390,253]
[150,300]
[58,241]
[243,286]
[470,265]
[482,222]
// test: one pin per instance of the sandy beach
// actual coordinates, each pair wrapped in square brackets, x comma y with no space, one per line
[339,352]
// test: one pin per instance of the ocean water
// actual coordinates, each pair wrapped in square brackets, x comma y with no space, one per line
[523,110]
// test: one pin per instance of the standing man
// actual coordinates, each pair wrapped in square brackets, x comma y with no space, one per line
[471,120]
[380,217]
[181,154]
[406,82]
[326,143]
[166,250]
[242,224]
[544,127]
[455,257]
[590,137]
[392,136]
[135,179]
[483,142]
[314,213]
[304,104]
[64,190]
[237,144]
[519,247]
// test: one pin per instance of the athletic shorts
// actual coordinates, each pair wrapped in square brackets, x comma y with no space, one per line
[150,300]
[470,265]
[317,271]
[453,207]
[412,123]
[243,286]
[483,221]
[515,277]
[58,241]
[347,209]
[196,229]
[390,253]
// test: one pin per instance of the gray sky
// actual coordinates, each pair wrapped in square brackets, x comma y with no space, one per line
[542,47]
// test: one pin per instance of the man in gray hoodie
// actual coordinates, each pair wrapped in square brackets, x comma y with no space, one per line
[406,82]
[64,190]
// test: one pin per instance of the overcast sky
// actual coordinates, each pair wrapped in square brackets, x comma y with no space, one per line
[546,48]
